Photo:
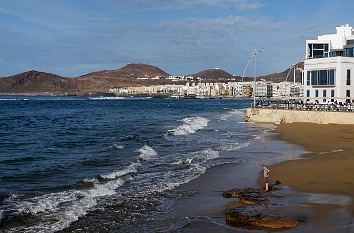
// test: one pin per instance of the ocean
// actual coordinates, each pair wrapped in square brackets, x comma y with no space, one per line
[71,163]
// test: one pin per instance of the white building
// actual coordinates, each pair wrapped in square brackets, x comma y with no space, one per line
[329,66]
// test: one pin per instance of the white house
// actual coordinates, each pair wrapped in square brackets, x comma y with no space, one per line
[329,67]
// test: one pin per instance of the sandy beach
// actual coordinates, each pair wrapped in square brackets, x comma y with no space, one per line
[315,174]
[327,168]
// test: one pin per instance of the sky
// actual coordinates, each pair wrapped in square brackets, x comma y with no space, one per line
[76,37]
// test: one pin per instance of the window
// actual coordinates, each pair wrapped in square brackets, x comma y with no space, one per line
[349,52]
[331,77]
[321,77]
[308,78]
[348,77]
[314,77]
[332,93]
[317,50]
[350,42]
[316,93]
[324,93]
[308,93]
[348,93]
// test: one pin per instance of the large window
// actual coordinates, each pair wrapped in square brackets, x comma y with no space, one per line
[348,93]
[348,77]
[349,52]
[308,78]
[332,93]
[316,93]
[322,77]
[350,42]
[308,93]
[324,94]
[318,50]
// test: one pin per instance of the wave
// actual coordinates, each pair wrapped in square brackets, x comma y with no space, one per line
[190,126]
[9,99]
[106,98]
[132,168]
[199,157]
[146,153]
[234,146]
[196,163]
[58,210]
[117,146]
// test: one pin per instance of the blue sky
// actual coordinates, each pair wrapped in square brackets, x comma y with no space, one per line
[75,37]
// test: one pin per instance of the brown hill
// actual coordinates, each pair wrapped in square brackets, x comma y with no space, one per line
[215,74]
[279,77]
[34,82]
[129,75]
[143,70]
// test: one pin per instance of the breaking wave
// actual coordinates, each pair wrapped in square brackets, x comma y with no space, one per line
[190,126]
[147,153]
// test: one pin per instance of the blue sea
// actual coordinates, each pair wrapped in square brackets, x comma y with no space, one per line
[62,159]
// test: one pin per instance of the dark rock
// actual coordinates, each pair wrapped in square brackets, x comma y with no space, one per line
[239,220]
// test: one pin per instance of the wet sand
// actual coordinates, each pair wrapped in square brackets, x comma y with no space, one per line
[328,168]
[317,181]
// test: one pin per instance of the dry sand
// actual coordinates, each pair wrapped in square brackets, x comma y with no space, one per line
[329,168]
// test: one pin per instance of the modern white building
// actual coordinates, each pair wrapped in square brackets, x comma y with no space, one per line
[329,67]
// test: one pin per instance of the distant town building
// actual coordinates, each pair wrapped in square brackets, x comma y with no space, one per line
[329,67]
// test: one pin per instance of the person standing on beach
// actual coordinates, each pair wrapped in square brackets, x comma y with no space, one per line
[266,176]
[228,133]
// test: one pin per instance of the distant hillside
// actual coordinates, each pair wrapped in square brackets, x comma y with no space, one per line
[143,70]
[214,74]
[279,77]
[34,81]
[129,75]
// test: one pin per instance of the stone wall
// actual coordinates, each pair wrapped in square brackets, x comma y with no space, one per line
[278,116]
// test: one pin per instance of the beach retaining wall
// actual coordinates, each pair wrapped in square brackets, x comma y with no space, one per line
[279,116]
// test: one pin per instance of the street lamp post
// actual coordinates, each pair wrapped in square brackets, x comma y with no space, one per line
[255,74]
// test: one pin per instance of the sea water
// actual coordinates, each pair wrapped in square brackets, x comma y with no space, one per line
[62,159]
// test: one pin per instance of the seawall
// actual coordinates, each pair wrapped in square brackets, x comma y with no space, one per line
[278,116]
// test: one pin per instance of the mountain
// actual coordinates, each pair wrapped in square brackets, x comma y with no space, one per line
[279,77]
[143,70]
[214,74]
[34,81]
[129,75]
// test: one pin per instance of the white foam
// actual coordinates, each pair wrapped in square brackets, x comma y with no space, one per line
[146,153]
[234,146]
[190,126]
[117,146]
[132,168]
[183,161]
[58,210]
[8,99]
[107,98]
[199,157]
[1,215]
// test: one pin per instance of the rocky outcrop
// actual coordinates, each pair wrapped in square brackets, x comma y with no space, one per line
[239,220]
[250,213]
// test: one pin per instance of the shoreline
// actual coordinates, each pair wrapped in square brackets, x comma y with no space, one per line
[327,168]
[320,202]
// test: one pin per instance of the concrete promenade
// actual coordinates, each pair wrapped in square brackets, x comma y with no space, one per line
[278,116]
